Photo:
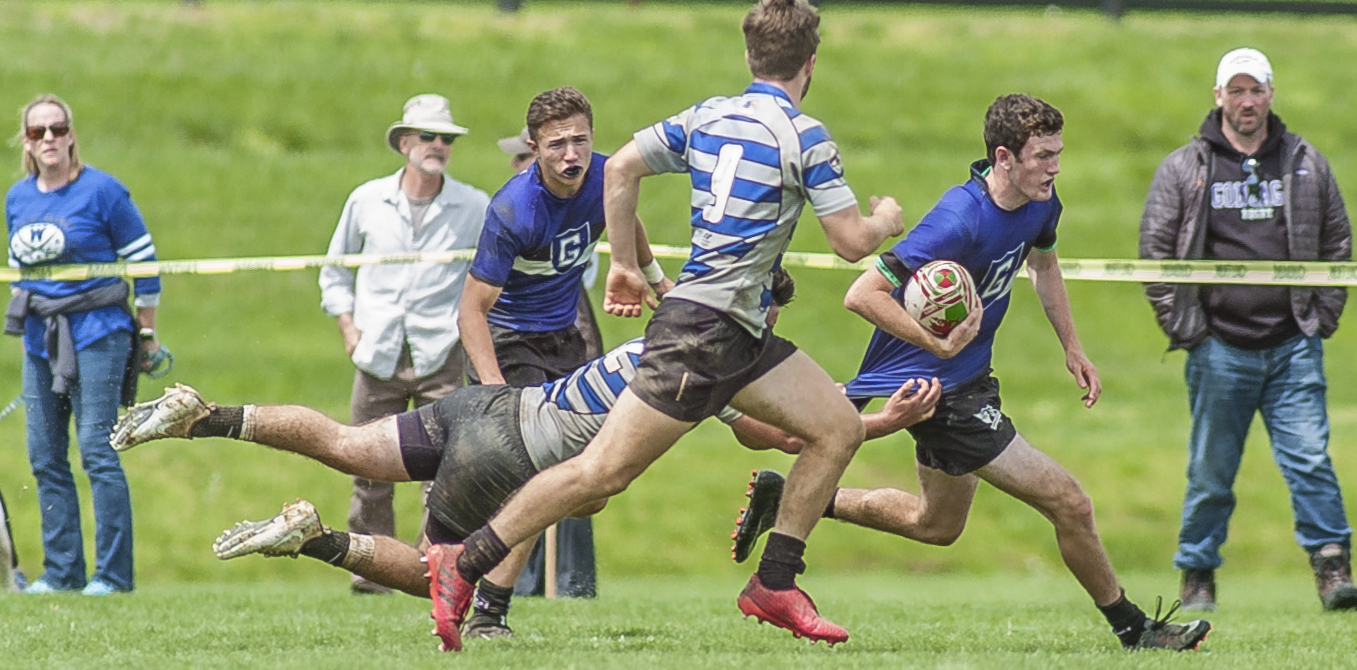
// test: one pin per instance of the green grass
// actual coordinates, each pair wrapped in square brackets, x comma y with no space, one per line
[240,127]
[1037,622]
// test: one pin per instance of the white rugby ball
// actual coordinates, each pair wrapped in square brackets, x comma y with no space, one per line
[939,295]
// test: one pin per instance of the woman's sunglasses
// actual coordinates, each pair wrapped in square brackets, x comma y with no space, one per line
[36,133]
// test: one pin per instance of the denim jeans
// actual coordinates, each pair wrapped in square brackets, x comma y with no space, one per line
[94,403]
[1226,386]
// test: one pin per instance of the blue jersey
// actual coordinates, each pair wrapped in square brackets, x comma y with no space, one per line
[992,244]
[90,220]
[536,246]
[755,161]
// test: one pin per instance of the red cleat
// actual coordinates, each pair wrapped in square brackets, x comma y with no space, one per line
[451,594]
[791,609]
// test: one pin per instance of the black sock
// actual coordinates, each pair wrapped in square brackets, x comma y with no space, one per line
[492,598]
[222,422]
[781,562]
[330,547]
[1128,621]
[829,509]
[484,550]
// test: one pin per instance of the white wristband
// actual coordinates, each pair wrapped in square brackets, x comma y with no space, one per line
[653,273]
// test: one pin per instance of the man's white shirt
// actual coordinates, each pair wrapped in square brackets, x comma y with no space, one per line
[402,302]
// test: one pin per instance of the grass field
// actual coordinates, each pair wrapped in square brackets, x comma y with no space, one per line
[241,126]
[1037,623]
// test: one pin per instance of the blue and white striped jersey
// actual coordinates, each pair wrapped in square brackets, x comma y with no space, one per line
[560,417]
[754,161]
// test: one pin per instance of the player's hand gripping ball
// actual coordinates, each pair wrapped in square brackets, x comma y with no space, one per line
[939,295]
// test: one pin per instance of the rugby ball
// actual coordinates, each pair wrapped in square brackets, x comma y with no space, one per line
[939,295]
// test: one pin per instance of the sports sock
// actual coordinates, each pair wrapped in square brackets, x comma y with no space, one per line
[781,562]
[221,422]
[484,550]
[829,509]
[1128,621]
[492,598]
[330,547]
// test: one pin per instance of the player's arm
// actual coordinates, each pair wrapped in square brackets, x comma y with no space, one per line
[870,297]
[760,436]
[625,287]
[474,325]
[853,236]
[912,403]
[650,266]
[1044,269]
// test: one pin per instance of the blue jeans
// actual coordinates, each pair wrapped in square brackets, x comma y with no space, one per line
[94,403]
[1225,387]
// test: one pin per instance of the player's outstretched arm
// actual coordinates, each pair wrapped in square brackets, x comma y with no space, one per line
[473,326]
[1044,269]
[853,236]
[759,436]
[625,288]
[870,297]
[912,403]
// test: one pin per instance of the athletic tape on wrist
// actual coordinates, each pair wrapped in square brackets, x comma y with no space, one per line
[1276,273]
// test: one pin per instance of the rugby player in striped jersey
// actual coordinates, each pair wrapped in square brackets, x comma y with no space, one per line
[755,161]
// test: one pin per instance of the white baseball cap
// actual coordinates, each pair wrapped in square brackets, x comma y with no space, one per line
[517,145]
[1247,61]
[426,112]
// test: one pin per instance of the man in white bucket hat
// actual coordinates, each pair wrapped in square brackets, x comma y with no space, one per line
[399,321]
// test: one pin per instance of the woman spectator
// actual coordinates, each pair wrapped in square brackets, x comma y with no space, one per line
[81,343]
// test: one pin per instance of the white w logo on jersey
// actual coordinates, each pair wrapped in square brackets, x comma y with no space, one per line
[999,277]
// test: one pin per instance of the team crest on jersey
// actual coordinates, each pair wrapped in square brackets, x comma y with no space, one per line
[35,243]
[570,247]
[990,415]
[999,277]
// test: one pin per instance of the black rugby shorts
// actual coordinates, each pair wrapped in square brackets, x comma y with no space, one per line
[696,359]
[966,431]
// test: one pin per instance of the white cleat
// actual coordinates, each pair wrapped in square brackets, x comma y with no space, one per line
[283,535]
[170,415]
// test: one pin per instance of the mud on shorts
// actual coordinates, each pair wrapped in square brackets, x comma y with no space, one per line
[966,431]
[529,358]
[470,445]
[696,359]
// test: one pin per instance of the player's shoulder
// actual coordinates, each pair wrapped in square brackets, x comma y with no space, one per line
[516,201]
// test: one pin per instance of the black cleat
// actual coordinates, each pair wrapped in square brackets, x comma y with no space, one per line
[483,624]
[765,492]
[1160,634]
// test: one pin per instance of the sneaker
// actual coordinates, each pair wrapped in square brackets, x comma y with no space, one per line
[100,587]
[451,594]
[483,624]
[41,587]
[283,535]
[1199,590]
[1333,577]
[765,492]
[1160,634]
[791,609]
[170,415]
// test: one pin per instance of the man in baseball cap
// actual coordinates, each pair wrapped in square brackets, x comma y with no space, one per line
[399,321]
[1249,189]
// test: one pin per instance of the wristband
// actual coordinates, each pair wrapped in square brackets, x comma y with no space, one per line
[653,273]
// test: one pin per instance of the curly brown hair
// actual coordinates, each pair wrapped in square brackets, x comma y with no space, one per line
[779,36]
[557,104]
[1017,117]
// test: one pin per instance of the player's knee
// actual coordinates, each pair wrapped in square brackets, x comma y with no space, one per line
[1075,508]
[943,534]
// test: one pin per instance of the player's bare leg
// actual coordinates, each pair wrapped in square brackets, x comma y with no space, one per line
[1036,479]
[936,516]
[799,398]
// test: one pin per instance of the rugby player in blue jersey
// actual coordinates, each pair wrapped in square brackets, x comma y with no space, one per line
[518,312]
[755,161]
[1003,216]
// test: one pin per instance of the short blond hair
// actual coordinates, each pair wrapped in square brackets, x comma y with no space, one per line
[30,163]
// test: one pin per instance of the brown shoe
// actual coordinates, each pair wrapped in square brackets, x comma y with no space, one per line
[1333,577]
[1199,590]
